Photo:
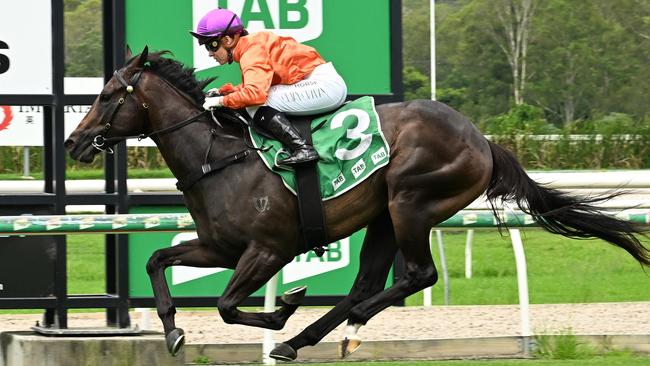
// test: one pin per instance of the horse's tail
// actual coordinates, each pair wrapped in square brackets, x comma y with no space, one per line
[558,212]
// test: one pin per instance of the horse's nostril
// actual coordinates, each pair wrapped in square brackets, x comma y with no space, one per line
[68,143]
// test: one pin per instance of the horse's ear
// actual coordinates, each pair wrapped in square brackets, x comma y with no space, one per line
[129,53]
[143,56]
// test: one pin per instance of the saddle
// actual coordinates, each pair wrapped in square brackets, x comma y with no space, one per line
[310,201]
[352,147]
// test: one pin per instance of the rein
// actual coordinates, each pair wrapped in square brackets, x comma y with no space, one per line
[104,143]
[100,142]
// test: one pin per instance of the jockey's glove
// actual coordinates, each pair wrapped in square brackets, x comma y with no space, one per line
[213,102]
[214,92]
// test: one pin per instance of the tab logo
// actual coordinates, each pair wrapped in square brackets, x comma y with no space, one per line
[300,19]
[309,264]
[338,181]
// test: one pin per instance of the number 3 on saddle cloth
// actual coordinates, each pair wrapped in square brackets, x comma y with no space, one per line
[351,146]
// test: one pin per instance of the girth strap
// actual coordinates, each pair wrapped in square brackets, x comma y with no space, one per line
[310,201]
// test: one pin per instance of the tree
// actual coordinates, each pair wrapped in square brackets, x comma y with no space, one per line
[416,84]
[416,30]
[572,55]
[473,76]
[83,39]
[510,29]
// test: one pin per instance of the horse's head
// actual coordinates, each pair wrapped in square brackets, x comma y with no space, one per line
[119,110]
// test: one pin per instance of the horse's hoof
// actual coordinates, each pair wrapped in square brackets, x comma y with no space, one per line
[175,341]
[294,296]
[348,345]
[283,352]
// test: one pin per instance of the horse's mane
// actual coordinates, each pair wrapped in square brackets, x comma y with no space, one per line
[178,75]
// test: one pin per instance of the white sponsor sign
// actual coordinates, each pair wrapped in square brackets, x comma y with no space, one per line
[300,19]
[303,266]
[23,125]
[182,274]
[307,265]
[26,47]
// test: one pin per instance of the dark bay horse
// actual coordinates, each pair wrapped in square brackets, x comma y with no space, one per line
[439,164]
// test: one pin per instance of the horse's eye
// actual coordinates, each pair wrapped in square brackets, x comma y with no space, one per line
[104,96]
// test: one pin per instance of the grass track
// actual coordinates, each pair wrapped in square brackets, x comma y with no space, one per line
[560,270]
[596,361]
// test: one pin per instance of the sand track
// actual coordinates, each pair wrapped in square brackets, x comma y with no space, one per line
[437,322]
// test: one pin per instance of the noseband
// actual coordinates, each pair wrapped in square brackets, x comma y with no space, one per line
[100,142]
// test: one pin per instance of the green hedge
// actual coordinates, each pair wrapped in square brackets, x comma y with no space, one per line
[615,141]
[138,158]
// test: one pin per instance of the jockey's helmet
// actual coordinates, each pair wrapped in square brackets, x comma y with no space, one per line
[217,23]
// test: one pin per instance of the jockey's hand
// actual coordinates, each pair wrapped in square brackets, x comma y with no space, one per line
[226,89]
[212,102]
[214,92]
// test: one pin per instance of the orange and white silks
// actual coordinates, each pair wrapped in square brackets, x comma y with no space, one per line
[267,59]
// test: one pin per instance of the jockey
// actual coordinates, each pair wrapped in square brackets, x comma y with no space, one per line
[279,75]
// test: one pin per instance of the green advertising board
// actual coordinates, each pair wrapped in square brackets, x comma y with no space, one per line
[330,275]
[354,35]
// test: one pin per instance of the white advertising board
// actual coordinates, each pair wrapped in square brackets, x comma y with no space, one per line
[26,47]
[23,125]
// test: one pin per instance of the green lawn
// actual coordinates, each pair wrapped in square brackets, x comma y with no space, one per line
[614,360]
[86,269]
[97,174]
[560,270]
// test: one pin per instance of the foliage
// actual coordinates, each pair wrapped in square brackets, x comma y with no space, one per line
[416,31]
[201,360]
[416,84]
[519,120]
[585,58]
[613,141]
[564,346]
[83,38]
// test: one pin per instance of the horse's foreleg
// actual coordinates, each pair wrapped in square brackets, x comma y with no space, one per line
[190,253]
[255,268]
[376,258]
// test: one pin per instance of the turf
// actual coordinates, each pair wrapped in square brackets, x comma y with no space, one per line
[615,360]
[560,270]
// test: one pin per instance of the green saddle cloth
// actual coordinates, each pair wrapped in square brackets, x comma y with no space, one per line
[350,143]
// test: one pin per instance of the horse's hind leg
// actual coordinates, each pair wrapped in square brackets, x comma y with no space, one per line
[412,225]
[376,258]
[190,253]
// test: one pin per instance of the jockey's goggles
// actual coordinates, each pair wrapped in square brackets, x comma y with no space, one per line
[212,45]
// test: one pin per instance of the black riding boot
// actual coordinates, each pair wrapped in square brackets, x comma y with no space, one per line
[301,151]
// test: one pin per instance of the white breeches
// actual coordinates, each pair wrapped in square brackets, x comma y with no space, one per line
[321,91]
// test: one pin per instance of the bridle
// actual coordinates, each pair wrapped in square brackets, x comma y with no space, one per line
[100,142]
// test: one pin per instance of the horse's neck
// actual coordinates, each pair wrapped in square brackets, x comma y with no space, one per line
[183,148]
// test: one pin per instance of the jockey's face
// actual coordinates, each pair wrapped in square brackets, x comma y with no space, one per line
[221,53]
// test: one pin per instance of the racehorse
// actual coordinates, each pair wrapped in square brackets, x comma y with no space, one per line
[439,164]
